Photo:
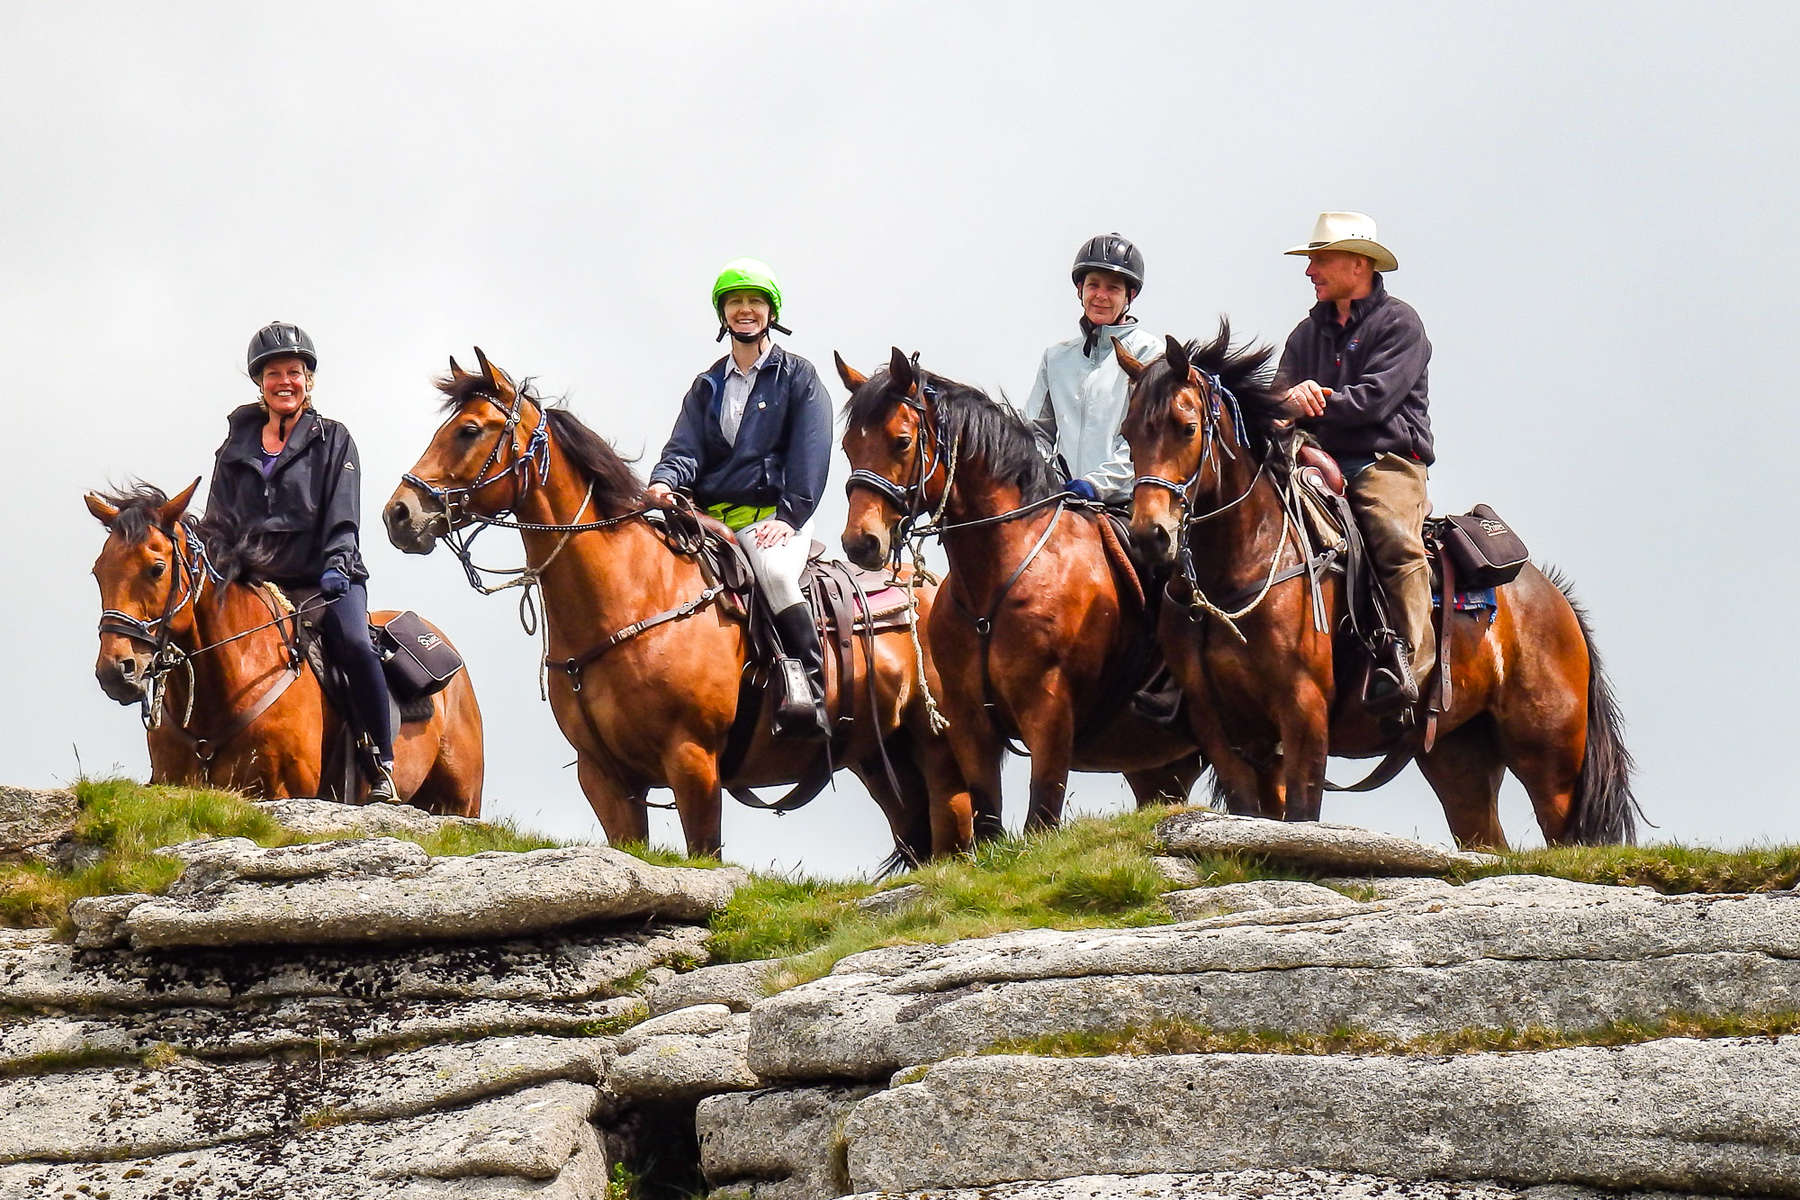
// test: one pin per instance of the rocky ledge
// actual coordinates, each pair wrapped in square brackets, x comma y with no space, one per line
[357,1019]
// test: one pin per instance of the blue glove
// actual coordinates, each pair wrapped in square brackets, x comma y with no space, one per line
[1082,488]
[334,582]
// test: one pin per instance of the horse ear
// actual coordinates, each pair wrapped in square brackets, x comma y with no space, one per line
[103,512]
[500,379]
[169,513]
[900,370]
[1176,354]
[852,378]
[1131,366]
[457,372]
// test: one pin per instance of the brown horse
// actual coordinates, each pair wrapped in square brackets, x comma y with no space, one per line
[650,657]
[1212,451]
[208,658]
[1047,623]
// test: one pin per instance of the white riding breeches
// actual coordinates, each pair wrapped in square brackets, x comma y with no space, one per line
[778,568]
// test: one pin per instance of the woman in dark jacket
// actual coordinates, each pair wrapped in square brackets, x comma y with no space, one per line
[292,477]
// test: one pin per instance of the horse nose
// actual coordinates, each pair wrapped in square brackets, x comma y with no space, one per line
[863,549]
[118,678]
[1153,543]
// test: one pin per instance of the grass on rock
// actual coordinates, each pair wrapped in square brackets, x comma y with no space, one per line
[127,822]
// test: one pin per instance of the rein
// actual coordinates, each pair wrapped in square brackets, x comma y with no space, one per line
[193,569]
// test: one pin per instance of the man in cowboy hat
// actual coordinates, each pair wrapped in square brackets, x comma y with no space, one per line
[1355,372]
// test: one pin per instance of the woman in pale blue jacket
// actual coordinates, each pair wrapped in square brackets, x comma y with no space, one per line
[1077,403]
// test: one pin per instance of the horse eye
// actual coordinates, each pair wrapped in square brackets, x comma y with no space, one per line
[903,442]
[158,569]
[468,431]
[1191,429]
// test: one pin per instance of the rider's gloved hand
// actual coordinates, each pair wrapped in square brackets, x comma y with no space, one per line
[334,582]
[1082,488]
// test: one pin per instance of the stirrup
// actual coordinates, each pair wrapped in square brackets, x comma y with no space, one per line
[382,789]
[799,710]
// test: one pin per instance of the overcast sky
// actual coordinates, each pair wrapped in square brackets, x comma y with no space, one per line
[1590,204]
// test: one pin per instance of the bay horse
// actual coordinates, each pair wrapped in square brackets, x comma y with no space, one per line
[649,659]
[207,654]
[1047,620]
[1211,448]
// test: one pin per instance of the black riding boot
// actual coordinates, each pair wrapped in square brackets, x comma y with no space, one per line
[1392,684]
[800,639]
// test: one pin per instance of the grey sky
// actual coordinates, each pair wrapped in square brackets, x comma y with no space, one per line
[1584,200]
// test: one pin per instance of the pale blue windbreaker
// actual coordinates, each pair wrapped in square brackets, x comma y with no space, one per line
[1077,405]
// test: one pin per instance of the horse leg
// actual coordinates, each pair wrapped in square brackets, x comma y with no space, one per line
[1305,738]
[1170,783]
[620,809]
[694,777]
[1465,769]
[1050,733]
[1546,758]
[908,811]
[977,753]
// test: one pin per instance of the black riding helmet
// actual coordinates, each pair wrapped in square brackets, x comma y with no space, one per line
[1110,252]
[278,339]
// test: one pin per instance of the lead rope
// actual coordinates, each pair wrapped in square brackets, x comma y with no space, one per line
[934,717]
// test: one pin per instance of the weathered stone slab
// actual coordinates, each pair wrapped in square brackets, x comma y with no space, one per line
[498,894]
[735,985]
[1706,1116]
[39,972]
[1309,845]
[313,817]
[535,1142]
[892,900]
[92,1115]
[30,819]
[312,1023]
[1257,1185]
[1180,872]
[777,1145]
[1505,952]
[1391,887]
[683,1056]
[1194,903]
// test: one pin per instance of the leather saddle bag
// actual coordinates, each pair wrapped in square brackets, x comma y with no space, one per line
[1486,551]
[418,661]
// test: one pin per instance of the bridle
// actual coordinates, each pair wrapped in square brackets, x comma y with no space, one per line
[1212,446]
[193,569]
[910,500]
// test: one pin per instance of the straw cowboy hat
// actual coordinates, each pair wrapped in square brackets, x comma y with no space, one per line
[1352,231]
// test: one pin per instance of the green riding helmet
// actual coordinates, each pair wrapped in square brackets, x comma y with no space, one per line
[749,275]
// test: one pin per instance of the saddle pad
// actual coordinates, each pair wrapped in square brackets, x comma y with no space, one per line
[1474,600]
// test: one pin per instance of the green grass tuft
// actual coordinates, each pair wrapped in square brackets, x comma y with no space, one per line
[1668,867]
[1186,1037]
[129,821]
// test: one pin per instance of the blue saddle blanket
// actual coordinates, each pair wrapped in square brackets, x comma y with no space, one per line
[1479,600]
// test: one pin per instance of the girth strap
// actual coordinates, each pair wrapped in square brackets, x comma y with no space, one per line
[573,667]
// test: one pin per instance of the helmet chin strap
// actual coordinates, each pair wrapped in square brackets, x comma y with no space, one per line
[750,339]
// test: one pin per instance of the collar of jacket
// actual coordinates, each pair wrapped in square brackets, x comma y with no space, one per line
[245,439]
[1102,335]
[715,374]
[1325,311]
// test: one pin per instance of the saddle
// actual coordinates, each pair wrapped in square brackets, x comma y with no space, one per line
[847,602]
[409,699]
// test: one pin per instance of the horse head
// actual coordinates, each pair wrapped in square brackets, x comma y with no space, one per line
[1168,425]
[147,584]
[891,439]
[479,460]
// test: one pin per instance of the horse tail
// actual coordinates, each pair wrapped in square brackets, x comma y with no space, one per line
[1603,811]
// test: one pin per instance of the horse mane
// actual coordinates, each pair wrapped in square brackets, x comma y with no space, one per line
[138,503]
[236,554]
[1245,372]
[984,430]
[616,486]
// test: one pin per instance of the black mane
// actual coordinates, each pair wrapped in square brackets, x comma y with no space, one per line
[983,430]
[138,505]
[1246,372]
[617,488]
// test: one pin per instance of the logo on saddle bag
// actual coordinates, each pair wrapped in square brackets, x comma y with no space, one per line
[429,641]
[1491,527]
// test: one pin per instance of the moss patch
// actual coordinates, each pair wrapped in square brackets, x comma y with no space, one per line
[1183,1037]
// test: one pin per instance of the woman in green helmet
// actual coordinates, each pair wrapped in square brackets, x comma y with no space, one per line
[752,446]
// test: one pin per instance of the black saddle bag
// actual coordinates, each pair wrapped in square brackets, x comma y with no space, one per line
[418,661]
[1485,551]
